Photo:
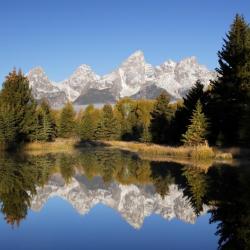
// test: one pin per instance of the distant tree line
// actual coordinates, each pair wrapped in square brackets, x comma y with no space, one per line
[219,114]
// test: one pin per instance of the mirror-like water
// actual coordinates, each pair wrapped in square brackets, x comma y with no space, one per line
[103,199]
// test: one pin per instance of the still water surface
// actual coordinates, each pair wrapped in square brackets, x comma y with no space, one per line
[103,199]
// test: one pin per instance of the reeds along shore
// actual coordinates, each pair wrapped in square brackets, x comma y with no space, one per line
[202,152]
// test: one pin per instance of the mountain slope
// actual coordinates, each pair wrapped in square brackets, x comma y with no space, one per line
[43,88]
[134,78]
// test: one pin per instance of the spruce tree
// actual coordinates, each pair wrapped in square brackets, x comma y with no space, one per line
[161,118]
[135,123]
[7,127]
[67,124]
[228,94]
[139,121]
[123,108]
[244,132]
[46,127]
[16,96]
[197,130]
[245,119]
[88,124]
[108,127]
[183,113]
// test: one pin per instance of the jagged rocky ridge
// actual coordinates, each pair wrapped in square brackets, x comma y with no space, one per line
[134,203]
[134,78]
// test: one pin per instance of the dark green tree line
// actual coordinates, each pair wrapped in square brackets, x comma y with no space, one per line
[230,91]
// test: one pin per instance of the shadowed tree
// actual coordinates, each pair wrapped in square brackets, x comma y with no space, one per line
[182,115]
[229,194]
[228,95]
[161,117]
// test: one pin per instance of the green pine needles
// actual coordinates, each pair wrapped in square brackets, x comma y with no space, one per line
[197,130]
[108,127]
[67,125]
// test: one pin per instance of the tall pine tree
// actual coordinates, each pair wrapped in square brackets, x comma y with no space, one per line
[123,109]
[7,127]
[245,87]
[16,96]
[67,124]
[161,117]
[227,95]
[88,124]
[46,127]
[108,127]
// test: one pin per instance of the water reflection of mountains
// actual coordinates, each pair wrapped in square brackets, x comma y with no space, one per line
[134,187]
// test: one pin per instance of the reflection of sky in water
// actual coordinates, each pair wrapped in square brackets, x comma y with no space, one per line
[133,202]
[107,199]
[59,226]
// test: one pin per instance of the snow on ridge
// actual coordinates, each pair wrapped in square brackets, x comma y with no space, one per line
[127,80]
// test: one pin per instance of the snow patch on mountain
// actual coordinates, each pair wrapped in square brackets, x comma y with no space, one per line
[131,78]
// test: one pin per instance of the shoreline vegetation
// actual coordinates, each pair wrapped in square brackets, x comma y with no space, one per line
[147,151]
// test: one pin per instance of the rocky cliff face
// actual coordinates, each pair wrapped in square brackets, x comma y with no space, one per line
[43,88]
[134,78]
[134,203]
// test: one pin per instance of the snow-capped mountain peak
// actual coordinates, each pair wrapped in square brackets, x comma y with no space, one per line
[81,79]
[133,78]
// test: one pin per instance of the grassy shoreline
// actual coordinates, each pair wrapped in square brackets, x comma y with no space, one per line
[144,150]
[59,145]
[198,153]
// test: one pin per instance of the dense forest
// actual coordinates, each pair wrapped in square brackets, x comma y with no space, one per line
[219,114]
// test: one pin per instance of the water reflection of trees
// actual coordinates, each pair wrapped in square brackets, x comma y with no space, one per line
[224,189]
[196,186]
[18,180]
[229,191]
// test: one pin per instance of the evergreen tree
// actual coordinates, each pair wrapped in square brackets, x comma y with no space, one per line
[182,115]
[161,118]
[197,129]
[16,96]
[135,122]
[228,94]
[245,120]
[124,108]
[88,124]
[7,127]
[139,121]
[108,127]
[245,126]
[45,127]
[67,121]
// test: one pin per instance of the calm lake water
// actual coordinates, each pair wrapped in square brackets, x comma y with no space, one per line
[103,199]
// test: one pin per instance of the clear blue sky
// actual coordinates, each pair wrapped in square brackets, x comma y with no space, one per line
[59,35]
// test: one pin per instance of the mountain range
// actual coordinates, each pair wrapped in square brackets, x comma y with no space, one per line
[133,202]
[134,78]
